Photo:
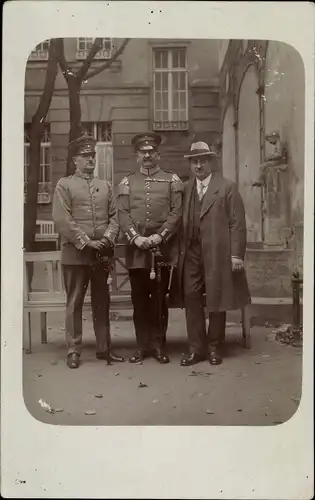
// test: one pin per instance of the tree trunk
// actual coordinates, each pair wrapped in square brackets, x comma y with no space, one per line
[74,87]
[37,130]
[30,209]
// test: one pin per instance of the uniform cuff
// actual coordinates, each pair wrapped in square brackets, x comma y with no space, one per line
[108,235]
[165,234]
[83,241]
[131,234]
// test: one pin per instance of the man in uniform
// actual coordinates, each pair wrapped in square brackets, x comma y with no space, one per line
[85,215]
[212,249]
[149,211]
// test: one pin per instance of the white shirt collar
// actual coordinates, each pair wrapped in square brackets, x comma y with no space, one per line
[205,182]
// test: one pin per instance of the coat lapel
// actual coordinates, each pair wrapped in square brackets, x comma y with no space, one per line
[211,193]
[187,200]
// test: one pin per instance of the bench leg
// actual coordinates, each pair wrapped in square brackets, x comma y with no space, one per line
[27,330]
[43,327]
[246,324]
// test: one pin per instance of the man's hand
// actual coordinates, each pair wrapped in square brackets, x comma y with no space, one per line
[142,242]
[237,264]
[95,244]
[155,240]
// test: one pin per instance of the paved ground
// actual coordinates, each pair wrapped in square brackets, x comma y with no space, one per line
[256,387]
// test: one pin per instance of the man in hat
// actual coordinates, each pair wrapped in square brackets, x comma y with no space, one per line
[85,215]
[212,249]
[149,211]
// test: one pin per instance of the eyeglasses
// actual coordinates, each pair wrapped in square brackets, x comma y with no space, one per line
[87,155]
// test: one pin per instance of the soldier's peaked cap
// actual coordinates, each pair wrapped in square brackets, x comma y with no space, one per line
[84,144]
[146,142]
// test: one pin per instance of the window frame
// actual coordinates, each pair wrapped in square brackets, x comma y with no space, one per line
[44,186]
[40,53]
[104,53]
[95,132]
[170,70]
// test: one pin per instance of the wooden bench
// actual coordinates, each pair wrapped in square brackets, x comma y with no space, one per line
[53,298]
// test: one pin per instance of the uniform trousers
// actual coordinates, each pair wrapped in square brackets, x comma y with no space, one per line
[76,280]
[145,296]
[194,288]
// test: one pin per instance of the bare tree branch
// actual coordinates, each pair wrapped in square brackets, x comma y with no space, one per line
[49,84]
[64,66]
[96,47]
[109,62]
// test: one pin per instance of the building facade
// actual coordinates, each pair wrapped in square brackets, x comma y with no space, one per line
[169,86]
[262,91]
[231,93]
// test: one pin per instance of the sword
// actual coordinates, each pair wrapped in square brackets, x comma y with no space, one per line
[156,255]
[109,259]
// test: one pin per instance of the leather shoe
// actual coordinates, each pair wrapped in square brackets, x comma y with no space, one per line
[113,357]
[73,360]
[137,357]
[214,357]
[192,359]
[161,356]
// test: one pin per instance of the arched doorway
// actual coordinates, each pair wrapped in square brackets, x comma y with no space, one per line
[228,144]
[249,153]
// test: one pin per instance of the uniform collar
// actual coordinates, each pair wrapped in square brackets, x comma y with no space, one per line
[84,175]
[149,171]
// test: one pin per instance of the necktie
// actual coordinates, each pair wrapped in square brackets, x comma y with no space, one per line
[202,188]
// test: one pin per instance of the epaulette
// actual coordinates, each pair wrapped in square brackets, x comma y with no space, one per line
[123,186]
[175,177]
[124,181]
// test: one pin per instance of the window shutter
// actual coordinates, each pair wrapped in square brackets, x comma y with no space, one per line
[104,162]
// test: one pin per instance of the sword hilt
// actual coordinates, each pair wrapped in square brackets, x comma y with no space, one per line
[152,273]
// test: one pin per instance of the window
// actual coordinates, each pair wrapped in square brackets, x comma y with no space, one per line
[41,52]
[170,82]
[84,45]
[102,133]
[44,186]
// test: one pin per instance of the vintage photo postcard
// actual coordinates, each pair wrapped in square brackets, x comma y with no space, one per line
[157,277]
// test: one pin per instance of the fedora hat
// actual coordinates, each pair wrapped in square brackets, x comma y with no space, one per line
[200,149]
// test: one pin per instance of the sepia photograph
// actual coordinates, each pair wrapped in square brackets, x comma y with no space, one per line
[157,250]
[163,231]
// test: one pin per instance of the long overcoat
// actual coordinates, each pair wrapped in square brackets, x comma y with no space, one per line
[223,235]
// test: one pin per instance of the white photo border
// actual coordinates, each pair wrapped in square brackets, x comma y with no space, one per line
[144,462]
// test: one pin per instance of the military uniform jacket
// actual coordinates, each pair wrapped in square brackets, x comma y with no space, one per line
[150,202]
[84,209]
